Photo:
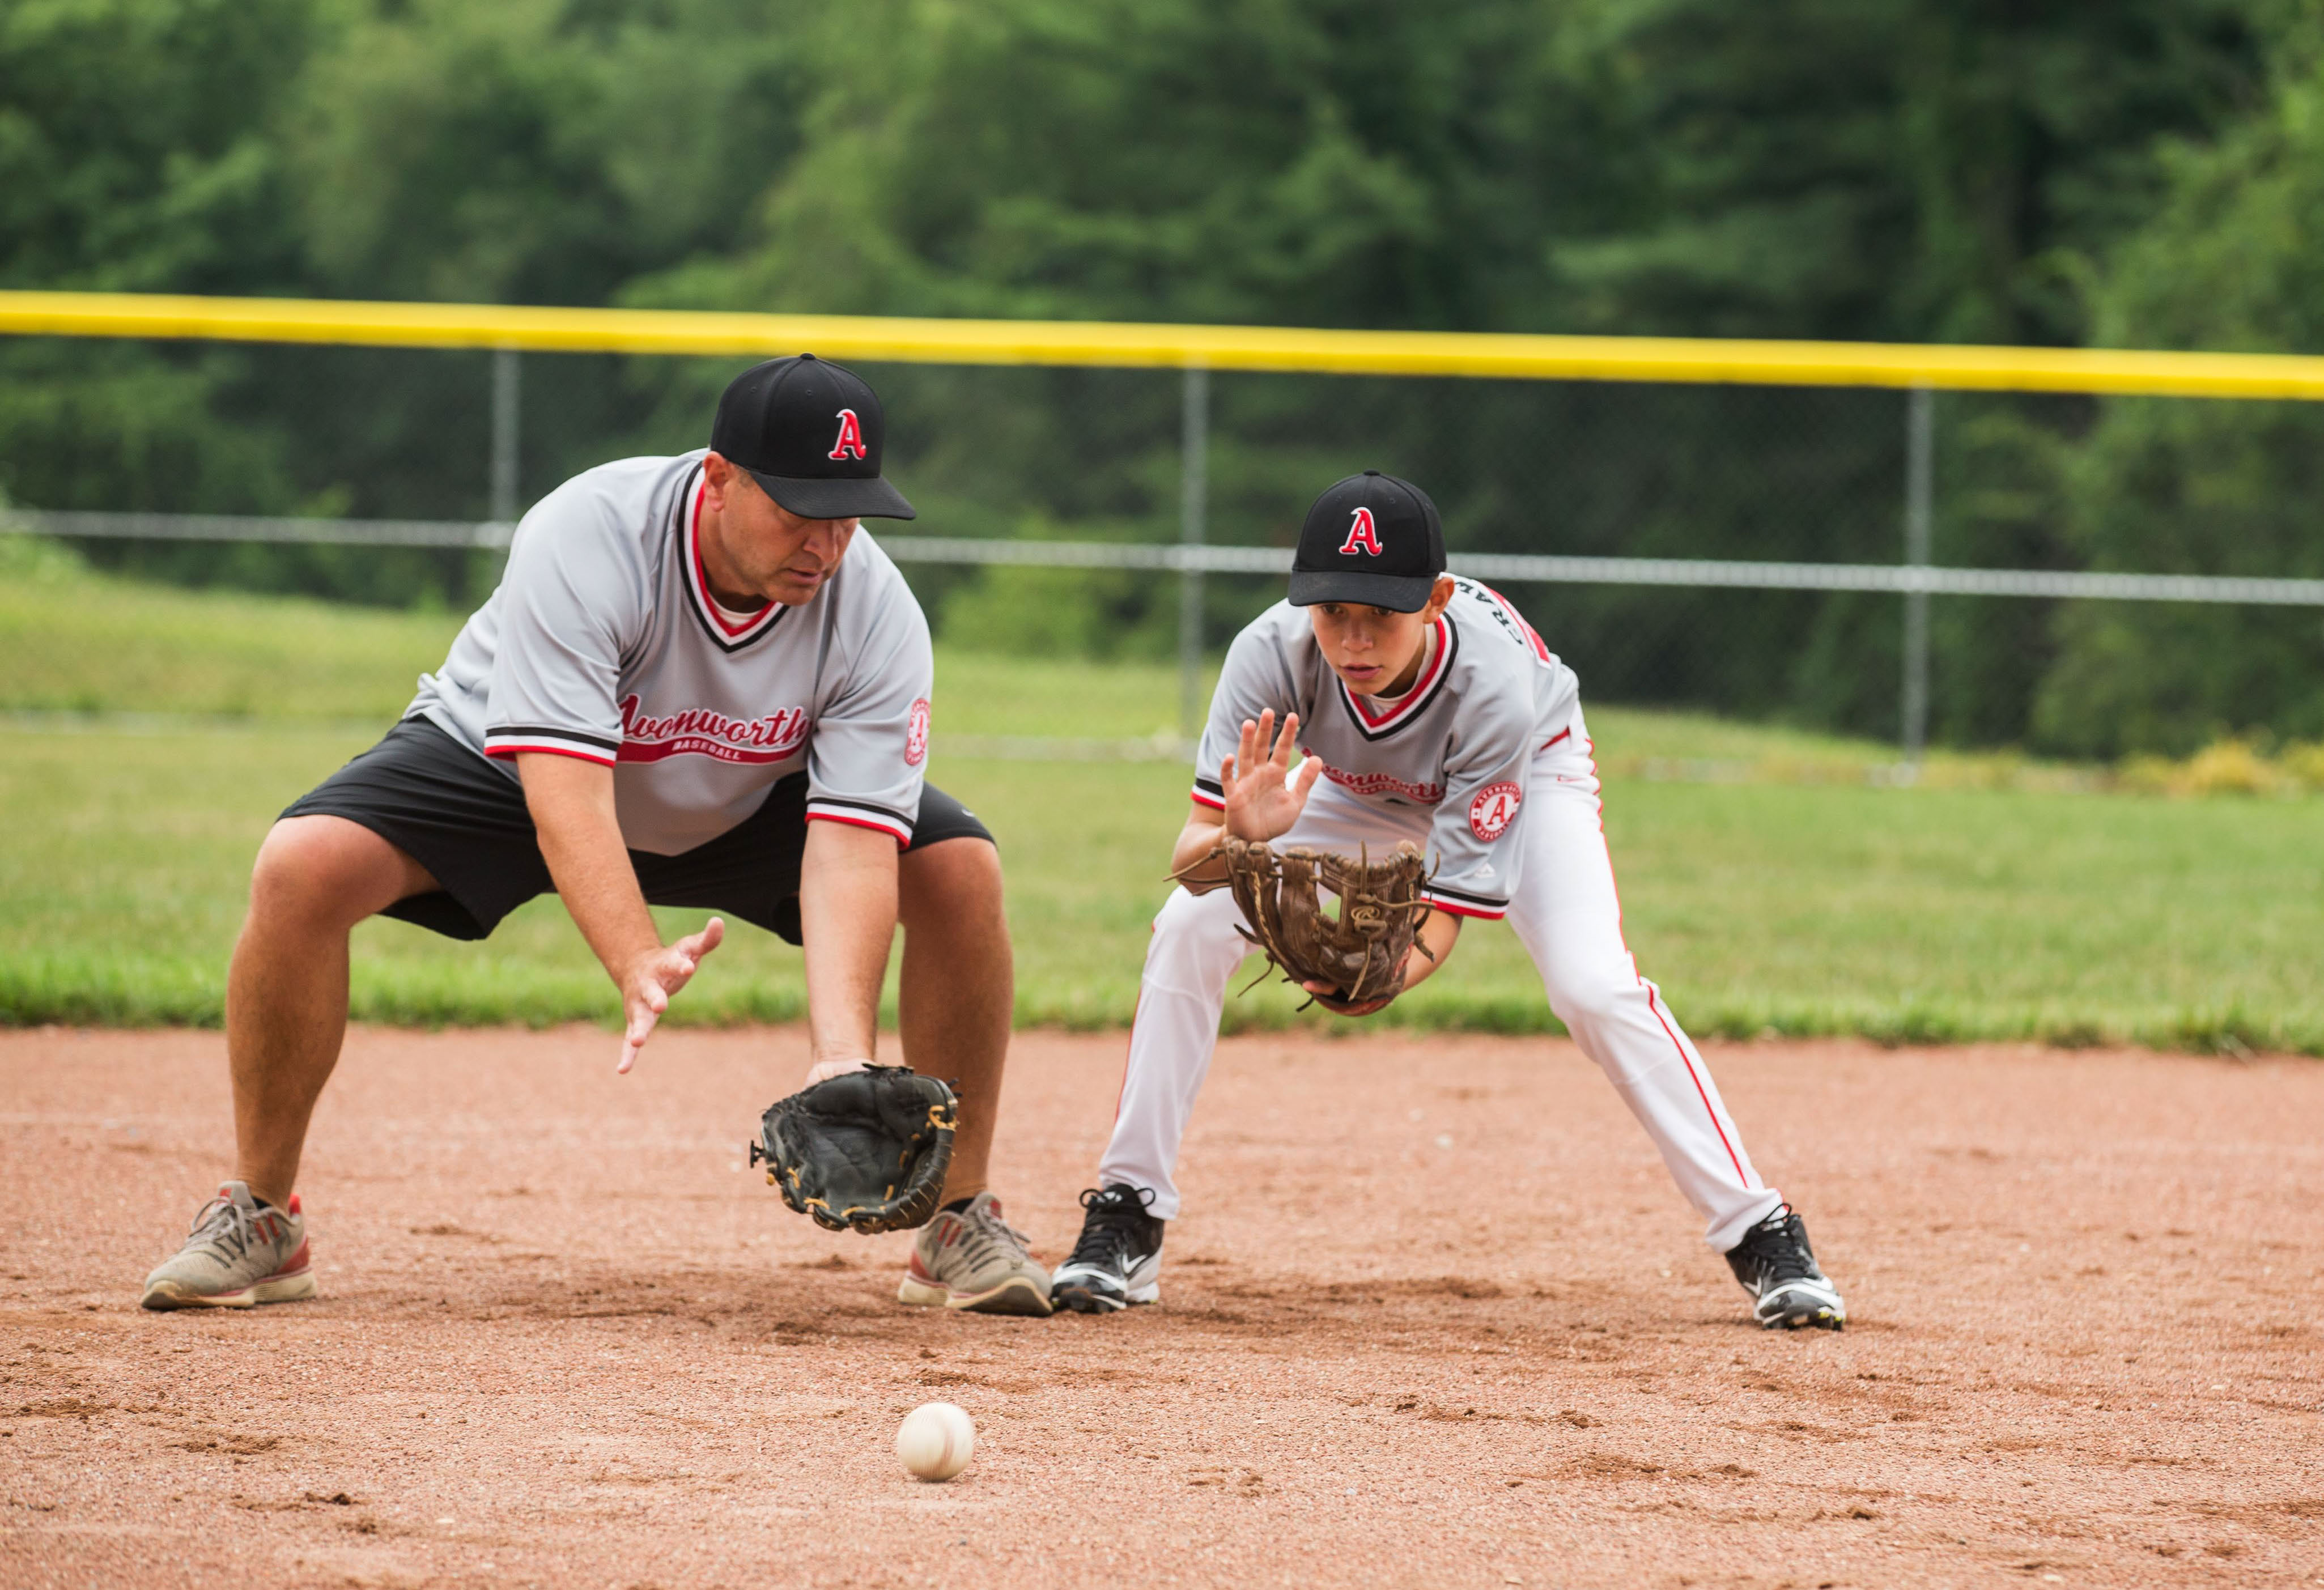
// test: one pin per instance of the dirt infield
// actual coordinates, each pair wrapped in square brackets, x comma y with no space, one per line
[565,1340]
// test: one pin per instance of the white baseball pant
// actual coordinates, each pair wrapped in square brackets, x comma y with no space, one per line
[1568,918]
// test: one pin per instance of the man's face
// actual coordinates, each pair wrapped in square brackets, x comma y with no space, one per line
[770,551]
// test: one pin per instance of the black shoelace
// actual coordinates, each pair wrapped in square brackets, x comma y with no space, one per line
[1117,1221]
[1778,1248]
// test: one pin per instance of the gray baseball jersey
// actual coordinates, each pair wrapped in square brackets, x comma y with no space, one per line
[603,642]
[1458,744]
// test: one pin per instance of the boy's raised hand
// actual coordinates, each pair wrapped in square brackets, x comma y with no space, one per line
[1264,794]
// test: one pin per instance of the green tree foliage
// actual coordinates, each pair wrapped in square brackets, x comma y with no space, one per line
[122,168]
[2234,260]
[1908,169]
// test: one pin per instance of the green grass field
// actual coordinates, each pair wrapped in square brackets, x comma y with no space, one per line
[151,735]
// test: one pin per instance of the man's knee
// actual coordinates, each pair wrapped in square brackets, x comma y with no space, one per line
[956,881]
[326,870]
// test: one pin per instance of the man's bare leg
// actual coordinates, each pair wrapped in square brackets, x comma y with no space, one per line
[286,998]
[957,990]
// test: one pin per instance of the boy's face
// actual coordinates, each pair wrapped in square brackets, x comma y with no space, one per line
[1376,650]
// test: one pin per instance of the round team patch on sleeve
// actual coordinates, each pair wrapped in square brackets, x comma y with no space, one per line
[1493,810]
[916,736]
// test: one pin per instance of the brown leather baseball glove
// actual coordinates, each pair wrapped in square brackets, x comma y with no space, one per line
[1360,952]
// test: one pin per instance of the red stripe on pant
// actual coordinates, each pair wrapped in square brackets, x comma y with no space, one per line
[1700,1091]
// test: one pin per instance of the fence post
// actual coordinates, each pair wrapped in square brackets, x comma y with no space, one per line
[1194,444]
[1919,489]
[506,373]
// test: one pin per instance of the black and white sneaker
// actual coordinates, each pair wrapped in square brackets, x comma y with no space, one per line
[1778,1269]
[1118,1261]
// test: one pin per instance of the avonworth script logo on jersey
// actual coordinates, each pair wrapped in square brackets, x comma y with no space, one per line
[1380,784]
[698,731]
[851,437]
[1493,810]
[1363,536]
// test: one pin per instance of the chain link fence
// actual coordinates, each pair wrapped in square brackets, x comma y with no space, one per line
[1896,563]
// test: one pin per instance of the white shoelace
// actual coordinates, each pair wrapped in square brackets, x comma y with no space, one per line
[222,1226]
[985,1230]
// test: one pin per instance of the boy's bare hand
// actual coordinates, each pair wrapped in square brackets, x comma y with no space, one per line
[1264,794]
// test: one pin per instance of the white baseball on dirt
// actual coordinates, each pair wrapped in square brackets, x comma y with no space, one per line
[936,1439]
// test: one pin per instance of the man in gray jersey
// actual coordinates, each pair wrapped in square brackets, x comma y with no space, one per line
[1415,707]
[697,684]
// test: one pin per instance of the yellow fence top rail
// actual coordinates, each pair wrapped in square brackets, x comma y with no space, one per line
[1214,347]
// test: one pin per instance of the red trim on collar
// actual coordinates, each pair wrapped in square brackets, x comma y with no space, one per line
[702,580]
[1412,697]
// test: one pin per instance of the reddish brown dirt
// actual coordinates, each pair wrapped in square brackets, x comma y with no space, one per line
[565,1341]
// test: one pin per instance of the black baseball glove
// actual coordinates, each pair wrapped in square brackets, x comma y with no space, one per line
[864,1151]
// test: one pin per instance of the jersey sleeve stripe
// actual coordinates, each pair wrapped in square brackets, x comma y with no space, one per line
[550,731]
[509,749]
[1203,797]
[867,807]
[862,813]
[1450,893]
[1451,908]
[892,829]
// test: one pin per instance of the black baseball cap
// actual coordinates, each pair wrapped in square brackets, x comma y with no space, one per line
[1372,538]
[811,432]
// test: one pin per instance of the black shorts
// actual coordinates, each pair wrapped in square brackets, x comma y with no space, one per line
[465,820]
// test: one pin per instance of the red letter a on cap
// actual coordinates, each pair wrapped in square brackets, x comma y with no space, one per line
[851,437]
[1361,537]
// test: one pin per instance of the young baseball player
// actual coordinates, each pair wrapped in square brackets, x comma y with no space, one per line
[1421,707]
[699,684]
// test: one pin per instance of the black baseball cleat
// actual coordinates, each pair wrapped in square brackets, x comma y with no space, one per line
[1778,1269]
[1118,1261]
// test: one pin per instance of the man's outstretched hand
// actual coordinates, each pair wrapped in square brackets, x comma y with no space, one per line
[646,991]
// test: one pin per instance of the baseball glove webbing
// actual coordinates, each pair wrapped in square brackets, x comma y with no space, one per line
[1360,951]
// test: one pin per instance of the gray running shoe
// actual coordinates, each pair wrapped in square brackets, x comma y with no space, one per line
[237,1255]
[974,1260]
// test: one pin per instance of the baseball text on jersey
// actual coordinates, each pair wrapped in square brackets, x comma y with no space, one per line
[697,731]
[1382,784]
[1505,613]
